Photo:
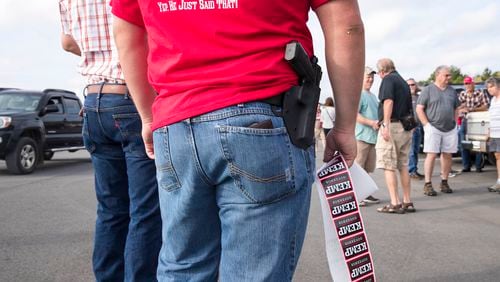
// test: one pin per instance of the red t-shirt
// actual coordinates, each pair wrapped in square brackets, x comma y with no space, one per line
[207,55]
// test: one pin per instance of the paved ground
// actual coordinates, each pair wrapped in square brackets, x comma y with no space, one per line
[46,223]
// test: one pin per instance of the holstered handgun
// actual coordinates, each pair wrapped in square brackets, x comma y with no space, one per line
[301,101]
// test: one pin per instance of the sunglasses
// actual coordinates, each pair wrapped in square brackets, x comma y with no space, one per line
[411,84]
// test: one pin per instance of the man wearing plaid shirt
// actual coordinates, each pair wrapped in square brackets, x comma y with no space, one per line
[471,100]
[128,225]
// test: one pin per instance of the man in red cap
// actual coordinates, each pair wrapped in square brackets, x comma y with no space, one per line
[471,100]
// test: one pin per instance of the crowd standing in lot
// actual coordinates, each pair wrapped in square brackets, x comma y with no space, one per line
[218,98]
[471,100]
[127,236]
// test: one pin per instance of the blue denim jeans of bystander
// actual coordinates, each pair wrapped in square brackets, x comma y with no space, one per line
[466,154]
[416,140]
[128,224]
[234,199]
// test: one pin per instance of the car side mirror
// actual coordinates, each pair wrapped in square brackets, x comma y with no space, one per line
[50,109]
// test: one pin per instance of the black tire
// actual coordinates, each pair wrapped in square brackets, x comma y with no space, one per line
[48,155]
[24,158]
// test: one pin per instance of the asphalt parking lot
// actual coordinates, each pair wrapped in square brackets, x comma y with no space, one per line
[46,225]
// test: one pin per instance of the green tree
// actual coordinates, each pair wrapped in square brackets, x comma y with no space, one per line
[486,74]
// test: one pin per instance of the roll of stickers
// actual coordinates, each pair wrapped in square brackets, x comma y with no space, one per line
[340,190]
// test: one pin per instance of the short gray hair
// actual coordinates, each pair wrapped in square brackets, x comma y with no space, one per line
[493,81]
[440,69]
[386,65]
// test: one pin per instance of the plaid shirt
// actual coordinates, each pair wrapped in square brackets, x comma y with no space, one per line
[474,101]
[89,22]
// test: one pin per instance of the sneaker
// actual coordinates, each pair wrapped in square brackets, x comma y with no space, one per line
[466,170]
[428,190]
[494,188]
[371,200]
[451,174]
[416,175]
[445,188]
[419,175]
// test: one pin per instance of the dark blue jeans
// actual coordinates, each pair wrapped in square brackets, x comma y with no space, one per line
[416,139]
[466,154]
[128,225]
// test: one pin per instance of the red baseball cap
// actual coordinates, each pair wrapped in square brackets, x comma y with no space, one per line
[468,80]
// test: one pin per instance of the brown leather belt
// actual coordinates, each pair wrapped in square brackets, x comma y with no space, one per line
[107,89]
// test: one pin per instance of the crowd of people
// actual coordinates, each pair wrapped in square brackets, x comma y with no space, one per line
[440,113]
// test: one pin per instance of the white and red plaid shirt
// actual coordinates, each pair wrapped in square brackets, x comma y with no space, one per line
[90,24]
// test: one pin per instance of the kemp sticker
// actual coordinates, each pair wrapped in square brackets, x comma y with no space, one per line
[360,266]
[337,184]
[337,166]
[354,246]
[342,204]
[348,225]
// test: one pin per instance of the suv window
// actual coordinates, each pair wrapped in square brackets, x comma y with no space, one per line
[58,102]
[72,106]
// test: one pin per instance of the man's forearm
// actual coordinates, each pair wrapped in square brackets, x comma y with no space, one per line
[363,120]
[345,57]
[421,115]
[131,41]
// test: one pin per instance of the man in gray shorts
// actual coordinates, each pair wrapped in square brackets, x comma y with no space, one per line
[437,111]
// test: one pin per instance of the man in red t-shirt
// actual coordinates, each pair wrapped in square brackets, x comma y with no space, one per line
[234,190]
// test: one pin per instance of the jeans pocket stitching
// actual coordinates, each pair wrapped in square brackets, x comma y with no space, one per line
[168,166]
[238,173]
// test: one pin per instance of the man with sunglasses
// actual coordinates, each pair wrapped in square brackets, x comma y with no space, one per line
[417,133]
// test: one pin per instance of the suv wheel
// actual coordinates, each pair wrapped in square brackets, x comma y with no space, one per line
[24,158]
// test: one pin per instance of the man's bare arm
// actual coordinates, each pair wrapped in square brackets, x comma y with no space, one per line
[421,114]
[69,44]
[345,58]
[366,121]
[131,41]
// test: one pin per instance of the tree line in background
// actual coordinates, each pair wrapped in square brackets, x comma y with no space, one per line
[457,77]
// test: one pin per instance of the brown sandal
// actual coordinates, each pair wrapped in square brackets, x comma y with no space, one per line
[408,207]
[391,209]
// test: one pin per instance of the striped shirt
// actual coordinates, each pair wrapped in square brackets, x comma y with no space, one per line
[494,118]
[89,22]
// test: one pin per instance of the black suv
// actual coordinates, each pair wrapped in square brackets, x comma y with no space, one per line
[35,124]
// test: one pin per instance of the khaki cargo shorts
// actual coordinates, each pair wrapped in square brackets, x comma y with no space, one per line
[393,154]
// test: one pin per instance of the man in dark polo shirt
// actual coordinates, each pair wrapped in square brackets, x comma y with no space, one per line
[393,142]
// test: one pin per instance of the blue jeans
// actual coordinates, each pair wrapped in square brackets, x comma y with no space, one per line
[466,154]
[234,199]
[128,225]
[416,140]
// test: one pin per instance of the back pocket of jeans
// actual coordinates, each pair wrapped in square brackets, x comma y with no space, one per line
[130,127]
[165,172]
[260,162]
